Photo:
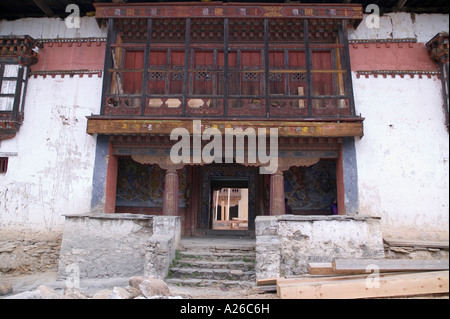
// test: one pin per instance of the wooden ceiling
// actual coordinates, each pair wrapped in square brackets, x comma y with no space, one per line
[16,9]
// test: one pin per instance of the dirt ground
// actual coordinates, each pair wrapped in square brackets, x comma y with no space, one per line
[24,283]
[31,282]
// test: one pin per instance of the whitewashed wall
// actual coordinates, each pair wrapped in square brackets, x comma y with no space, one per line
[403,168]
[403,158]
[52,28]
[50,170]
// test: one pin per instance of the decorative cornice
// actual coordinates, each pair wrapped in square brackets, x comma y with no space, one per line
[399,40]
[225,10]
[401,73]
[20,48]
[72,40]
[110,125]
[70,73]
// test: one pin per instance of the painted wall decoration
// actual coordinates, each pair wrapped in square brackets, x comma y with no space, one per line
[140,185]
[311,188]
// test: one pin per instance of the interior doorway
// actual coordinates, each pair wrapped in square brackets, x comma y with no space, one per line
[230,203]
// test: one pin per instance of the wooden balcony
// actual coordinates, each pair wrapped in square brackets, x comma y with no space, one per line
[255,62]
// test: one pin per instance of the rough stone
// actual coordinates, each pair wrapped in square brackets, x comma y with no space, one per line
[121,293]
[74,293]
[103,294]
[133,291]
[135,281]
[5,289]
[48,293]
[285,244]
[152,287]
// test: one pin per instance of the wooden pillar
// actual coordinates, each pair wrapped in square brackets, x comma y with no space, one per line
[340,186]
[277,193]
[170,201]
[111,181]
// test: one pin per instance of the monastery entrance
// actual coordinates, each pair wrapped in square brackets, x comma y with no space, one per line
[224,198]
[229,193]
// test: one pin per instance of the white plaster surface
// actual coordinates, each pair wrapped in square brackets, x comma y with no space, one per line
[51,159]
[403,169]
[52,172]
[403,158]
[403,25]
[52,28]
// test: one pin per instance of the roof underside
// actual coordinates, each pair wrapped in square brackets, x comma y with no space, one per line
[16,9]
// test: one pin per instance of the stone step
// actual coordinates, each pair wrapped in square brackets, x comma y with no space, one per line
[247,256]
[198,282]
[208,264]
[215,274]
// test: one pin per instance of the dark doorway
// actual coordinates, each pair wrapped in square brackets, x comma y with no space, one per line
[229,204]
[235,216]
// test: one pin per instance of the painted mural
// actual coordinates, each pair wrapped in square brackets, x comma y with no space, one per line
[140,185]
[311,188]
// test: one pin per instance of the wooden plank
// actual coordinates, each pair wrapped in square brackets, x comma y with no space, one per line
[264,289]
[387,286]
[314,278]
[357,266]
[417,243]
[266,282]
[320,269]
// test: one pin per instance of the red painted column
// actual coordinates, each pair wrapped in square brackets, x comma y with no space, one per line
[340,183]
[277,206]
[170,201]
[111,181]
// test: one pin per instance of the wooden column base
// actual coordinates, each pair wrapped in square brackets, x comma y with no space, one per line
[170,202]
[277,206]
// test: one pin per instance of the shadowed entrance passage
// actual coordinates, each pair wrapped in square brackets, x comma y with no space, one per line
[229,203]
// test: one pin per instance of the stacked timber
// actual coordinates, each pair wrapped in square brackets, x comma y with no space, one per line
[365,278]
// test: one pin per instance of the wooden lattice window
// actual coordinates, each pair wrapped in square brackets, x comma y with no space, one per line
[3,164]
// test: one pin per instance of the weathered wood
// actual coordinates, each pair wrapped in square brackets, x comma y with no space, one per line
[308,66]
[186,65]
[146,66]
[298,280]
[320,268]
[109,125]
[357,266]
[266,282]
[417,243]
[263,289]
[387,286]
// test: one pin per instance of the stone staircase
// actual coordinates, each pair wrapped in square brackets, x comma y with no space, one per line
[203,262]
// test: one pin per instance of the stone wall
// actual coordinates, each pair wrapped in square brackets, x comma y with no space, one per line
[27,252]
[118,245]
[286,244]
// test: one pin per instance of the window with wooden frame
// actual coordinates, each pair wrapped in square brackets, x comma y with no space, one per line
[3,164]
[13,78]
[229,67]
[17,54]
